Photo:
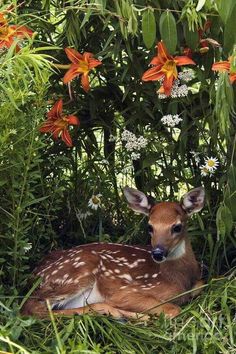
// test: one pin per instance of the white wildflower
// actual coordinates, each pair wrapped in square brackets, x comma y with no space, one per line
[135,155]
[204,171]
[127,135]
[211,163]
[179,91]
[176,91]
[12,132]
[95,201]
[27,247]
[171,120]
[196,156]
[186,75]
[133,142]
[105,162]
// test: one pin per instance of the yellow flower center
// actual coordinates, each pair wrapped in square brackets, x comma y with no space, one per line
[62,122]
[211,163]
[96,200]
[5,32]
[83,65]
[170,68]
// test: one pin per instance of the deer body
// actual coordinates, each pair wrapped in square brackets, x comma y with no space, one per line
[121,280]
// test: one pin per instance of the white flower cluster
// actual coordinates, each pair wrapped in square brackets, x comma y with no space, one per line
[211,164]
[171,120]
[133,143]
[186,75]
[176,91]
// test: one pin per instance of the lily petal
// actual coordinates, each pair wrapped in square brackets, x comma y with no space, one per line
[156,61]
[56,110]
[183,60]
[65,136]
[221,66]
[72,73]
[73,120]
[152,74]
[167,84]
[21,31]
[85,82]
[73,55]
[163,52]
[232,78]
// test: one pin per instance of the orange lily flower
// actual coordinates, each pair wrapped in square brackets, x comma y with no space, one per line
[225,66]
[165,67]
[81,65]
[57,124]
[9,33]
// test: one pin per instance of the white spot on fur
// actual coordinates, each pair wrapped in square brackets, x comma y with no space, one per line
[79,264]
[140,277]
[126,276]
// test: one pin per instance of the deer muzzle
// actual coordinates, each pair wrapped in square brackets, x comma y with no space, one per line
[159,254]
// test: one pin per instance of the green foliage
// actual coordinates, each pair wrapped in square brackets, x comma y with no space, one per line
[148,28]
[168,30]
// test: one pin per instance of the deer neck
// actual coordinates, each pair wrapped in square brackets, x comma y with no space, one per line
[181,264]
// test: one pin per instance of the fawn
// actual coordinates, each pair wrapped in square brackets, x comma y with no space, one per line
[123,280]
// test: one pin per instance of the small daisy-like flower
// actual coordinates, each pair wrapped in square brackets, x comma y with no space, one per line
[95,201]
[204,171]
[211,163]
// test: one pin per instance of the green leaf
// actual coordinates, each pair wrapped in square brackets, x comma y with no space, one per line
[200,5]
[191,38]
[224,221]
[225,9]
[168,31]
[148,28]
[229,32]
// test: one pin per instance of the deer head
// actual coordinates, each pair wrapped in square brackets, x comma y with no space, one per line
[167,221]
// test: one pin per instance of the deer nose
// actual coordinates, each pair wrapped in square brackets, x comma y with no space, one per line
[159,254]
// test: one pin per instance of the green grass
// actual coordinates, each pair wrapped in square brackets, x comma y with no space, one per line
[206,325]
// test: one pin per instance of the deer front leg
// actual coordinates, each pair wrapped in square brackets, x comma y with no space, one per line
[143,304]
[102,309]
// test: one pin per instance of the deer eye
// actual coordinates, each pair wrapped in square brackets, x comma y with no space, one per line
[176,228]
[150,229]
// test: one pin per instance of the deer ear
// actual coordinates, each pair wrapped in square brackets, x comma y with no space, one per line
[137,200]
[193,201]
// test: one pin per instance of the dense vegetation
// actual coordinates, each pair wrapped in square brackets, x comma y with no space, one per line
[61,185]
